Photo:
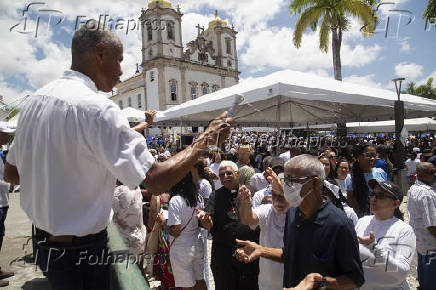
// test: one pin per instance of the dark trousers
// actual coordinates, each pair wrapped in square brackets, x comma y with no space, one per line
[229,273]
[3,214]
[80,264]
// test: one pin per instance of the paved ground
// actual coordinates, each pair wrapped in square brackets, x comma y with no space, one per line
[17,246]
[16,249]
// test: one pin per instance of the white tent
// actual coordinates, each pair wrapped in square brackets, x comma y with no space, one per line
[303,99]
[418,124]
[133,115]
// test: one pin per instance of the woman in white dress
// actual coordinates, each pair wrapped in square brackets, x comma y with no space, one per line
[386,243]
[186,243]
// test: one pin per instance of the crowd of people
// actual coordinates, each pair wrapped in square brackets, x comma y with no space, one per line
[279,214]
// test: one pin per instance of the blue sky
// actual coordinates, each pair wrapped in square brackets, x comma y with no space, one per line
[264,41]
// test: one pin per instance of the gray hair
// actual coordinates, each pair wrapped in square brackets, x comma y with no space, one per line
[227,163]
[310,166]
[86,38]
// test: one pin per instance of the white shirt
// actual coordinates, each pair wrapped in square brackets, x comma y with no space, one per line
[421,204]
[4,187]
[387,262]
[205,189]
[215,168]
[286,156]
[272,225]
[411,166]
[258,182]
[179,213]
[70,146]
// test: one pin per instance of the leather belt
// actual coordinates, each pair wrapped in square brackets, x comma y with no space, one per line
[60,239]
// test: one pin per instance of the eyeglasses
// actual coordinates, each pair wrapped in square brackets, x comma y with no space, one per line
[228,173]
[380,195]
[332,157]
[289,179]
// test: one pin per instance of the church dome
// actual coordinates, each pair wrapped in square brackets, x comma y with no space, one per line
[159,4]
[217,22]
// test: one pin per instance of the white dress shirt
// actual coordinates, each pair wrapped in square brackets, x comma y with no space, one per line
[421,204]
[71,145]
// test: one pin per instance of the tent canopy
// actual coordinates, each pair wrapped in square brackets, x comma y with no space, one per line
[418,124]
[296,99]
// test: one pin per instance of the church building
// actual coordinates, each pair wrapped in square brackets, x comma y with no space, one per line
[173,74]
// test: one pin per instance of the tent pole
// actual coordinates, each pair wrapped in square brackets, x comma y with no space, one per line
[181,128]
[279,102]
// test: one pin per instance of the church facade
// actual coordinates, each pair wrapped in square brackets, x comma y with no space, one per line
[173,74]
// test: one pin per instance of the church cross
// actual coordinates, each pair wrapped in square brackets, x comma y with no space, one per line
[199,28]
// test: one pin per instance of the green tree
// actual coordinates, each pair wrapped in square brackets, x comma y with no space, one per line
[334,17]
[426,90]
[430,11]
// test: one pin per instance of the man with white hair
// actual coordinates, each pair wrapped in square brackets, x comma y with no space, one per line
[224,223]
[318,237]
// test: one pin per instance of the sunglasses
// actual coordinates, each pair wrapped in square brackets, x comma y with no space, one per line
[381,195]
[228,173]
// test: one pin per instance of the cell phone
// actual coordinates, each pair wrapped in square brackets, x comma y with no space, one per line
[231,112]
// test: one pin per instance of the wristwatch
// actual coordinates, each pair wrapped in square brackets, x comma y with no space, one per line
[323,285]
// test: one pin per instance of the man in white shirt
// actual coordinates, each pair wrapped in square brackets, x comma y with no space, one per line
[421,204]
[72,143]
[271,219]
[5,133]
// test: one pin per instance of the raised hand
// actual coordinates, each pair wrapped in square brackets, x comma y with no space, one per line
[273,179]
[244,194]
[149,116]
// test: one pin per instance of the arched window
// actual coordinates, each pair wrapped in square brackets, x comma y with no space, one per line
[129,102]
[173,90]
[228,46]
[139,101]
[204,89]
[193,86]
[170,30]
[149,32]
[120,103]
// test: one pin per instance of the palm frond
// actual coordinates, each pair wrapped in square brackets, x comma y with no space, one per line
[296,6]
[324,34]
[306,19]
[363,12]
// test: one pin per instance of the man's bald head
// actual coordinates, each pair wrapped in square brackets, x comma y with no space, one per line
[426,172]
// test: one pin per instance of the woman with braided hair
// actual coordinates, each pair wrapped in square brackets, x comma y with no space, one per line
[363,170]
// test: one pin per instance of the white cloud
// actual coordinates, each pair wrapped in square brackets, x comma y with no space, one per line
[410,71]
[405,46]
[274,48]
[367,80]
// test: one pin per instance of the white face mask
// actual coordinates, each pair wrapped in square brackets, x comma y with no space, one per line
[292,193]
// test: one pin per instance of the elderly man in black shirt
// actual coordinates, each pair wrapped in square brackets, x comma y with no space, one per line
[318,237]
[224,223]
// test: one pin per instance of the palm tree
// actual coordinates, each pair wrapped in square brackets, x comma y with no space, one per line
[334,16]
[426,91]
